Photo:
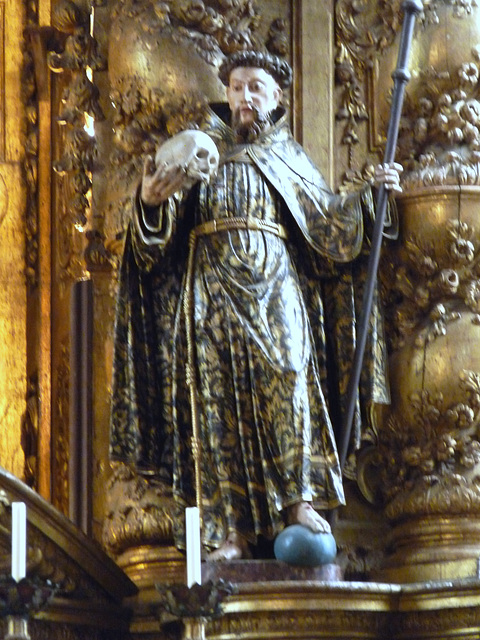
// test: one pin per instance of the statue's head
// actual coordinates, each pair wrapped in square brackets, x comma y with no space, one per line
[255,82]
[276,67]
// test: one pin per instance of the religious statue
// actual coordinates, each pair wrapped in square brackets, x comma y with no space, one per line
[240,283]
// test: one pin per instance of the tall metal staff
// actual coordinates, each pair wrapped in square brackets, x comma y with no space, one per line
[400,77]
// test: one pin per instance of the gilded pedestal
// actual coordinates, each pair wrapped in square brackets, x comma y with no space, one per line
[429,444]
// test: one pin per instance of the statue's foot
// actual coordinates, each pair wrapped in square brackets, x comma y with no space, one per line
[303,513]
[235,547]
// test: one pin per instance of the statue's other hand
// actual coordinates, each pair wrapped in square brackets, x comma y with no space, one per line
[388,174]
[159,183]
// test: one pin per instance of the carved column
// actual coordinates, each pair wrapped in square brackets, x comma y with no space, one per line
[429,445]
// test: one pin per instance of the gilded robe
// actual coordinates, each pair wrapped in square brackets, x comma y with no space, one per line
[272,333]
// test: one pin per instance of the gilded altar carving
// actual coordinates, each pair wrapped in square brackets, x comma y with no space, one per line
[439,133]
[428,458]
[80,99]
[30,433]
[29,98]
[273,624]
[364,31]
[138,512]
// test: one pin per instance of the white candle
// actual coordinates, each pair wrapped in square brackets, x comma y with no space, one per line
[19,540]
[194,557]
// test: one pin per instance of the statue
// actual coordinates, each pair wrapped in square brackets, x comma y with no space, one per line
[253,273]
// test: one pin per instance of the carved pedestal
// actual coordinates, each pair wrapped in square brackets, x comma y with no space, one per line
[429,445]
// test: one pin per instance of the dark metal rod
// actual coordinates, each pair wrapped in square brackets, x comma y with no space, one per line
[400,77]
[81,388]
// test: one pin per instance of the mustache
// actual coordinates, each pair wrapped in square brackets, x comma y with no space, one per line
[250,131]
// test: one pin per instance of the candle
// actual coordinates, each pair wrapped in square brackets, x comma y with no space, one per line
[19,540]
[194,567]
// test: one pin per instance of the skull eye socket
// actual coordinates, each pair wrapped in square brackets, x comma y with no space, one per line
[202,153]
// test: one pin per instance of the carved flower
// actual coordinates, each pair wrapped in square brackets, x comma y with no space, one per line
[455,135]
[425,107]
[190,11]
[212,21]
[470,110]
[469,452]
[462,250]
[420,129]
[162,11]
[427,159]
[428,266]
[461,416]
[453,157]
[438,312]
[432,414]
[448,281]
[463,7]
[468,74]
[445,102]
[445,448]
[413,456]
[472,296]
[442,122]
[422,297]
[458,95]
[470,133]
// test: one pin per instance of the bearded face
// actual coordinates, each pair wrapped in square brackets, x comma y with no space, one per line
[250,130]
[252,95]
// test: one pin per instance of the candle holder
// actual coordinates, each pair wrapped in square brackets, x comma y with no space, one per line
[194,605]
[18,600]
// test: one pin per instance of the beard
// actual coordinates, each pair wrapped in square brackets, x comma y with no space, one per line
[249,132]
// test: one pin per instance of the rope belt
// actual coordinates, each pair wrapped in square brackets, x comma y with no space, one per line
[227,224]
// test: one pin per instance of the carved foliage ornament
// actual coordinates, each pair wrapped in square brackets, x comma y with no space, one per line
[79,58]
[363,31]
[30,104]
[429,285]
[442,446]
[214,25]
[439,138]
[139,511]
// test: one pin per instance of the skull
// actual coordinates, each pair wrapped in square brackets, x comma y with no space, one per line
[193,150]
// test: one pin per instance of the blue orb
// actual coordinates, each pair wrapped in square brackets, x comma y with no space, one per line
[299,545]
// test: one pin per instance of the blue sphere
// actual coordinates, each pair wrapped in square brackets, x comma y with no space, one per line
[299,545]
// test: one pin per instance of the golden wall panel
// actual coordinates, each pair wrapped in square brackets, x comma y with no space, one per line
[12,318]
[12,248]
[312,53]
[2,82]
[11,54]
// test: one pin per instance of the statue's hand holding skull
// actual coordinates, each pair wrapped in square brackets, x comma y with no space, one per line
[186,158]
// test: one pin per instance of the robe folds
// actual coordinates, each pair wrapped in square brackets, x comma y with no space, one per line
[272,330]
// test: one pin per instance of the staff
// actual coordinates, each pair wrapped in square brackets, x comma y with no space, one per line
[400,77]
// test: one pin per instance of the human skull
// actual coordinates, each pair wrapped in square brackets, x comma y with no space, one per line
[193,150]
